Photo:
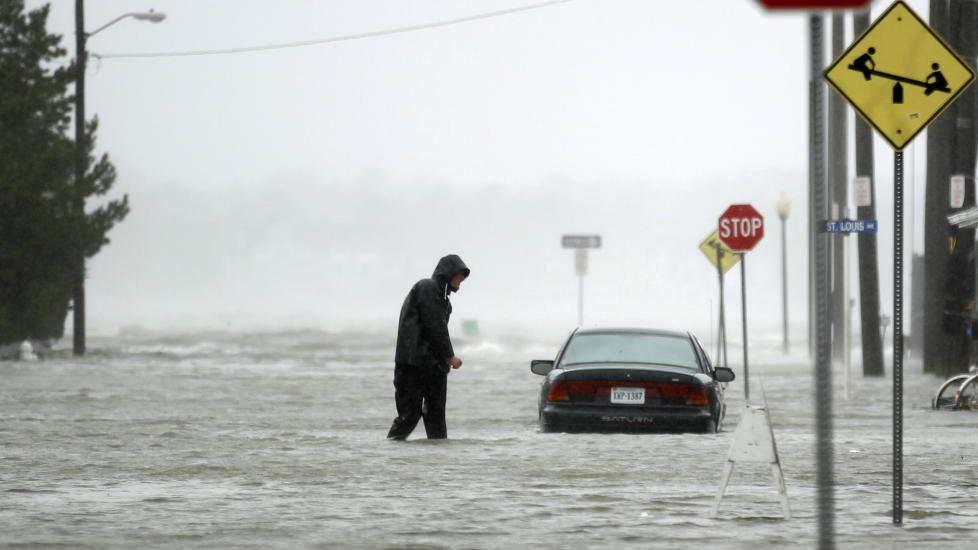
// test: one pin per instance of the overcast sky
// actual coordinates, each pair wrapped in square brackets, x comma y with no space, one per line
[316,184]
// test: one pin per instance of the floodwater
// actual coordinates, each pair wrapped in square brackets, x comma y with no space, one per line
[276,440]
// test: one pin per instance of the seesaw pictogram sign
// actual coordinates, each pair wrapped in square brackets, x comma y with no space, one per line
[899,75]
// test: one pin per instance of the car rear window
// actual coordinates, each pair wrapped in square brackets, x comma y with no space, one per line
[629,348]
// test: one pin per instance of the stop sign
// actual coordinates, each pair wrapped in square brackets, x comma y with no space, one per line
[741,227]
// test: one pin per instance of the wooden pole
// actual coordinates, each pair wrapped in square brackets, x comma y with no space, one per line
[78,204]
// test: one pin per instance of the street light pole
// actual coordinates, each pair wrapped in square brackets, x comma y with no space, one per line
[783,205]
[81,162]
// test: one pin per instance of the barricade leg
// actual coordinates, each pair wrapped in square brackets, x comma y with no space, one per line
[727,472]
[782,490]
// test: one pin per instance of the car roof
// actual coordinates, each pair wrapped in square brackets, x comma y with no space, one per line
[632,330]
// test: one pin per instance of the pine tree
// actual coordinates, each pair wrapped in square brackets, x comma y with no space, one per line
[41,232]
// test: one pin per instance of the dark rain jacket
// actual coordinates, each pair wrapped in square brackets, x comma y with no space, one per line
[422,332]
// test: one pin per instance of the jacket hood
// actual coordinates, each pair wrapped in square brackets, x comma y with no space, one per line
[448,267]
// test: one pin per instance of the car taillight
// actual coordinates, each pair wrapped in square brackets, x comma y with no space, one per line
[688,393]
[697,396]
[558,391]
[563,391]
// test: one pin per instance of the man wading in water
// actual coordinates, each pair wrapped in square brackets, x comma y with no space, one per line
[424,354]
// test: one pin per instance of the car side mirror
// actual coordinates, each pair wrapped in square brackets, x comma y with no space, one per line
[541,366]
[724,374]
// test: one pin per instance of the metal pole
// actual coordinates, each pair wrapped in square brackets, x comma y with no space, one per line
[898,337]
[823,367]
[743,309]
[784,286]
[722,331]
[720,325]
[846,317]
[580,300]
[78,203]
[723,324]
[814,131]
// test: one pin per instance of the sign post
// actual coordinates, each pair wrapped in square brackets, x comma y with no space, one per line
[741,227]
[580,244]
[899,75]
[723,259]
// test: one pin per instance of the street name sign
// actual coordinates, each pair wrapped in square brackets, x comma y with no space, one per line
[718,253]
[741,227]
[899,75]
[849,226]
[581,241]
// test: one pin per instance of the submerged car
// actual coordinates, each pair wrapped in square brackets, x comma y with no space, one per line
[631,380]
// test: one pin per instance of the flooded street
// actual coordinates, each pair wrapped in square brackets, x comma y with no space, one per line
[276,440]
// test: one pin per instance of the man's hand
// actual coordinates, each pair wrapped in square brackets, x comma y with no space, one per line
[455,362]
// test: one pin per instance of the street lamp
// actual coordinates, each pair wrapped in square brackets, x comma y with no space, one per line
[783,206]
[78,206]
[151,16]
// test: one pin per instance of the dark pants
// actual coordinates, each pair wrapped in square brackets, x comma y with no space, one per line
[419,394]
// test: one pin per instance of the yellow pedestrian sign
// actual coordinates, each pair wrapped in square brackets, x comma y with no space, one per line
[899,75]
[717,252]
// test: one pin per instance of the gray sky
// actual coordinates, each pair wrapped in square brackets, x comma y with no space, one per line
[314,185]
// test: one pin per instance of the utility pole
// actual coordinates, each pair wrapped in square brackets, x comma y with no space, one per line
[959,285]
[948,142]
[837,186]
[869,286]
[78,203]
[936,230]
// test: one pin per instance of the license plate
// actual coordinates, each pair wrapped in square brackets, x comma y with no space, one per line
[628,396]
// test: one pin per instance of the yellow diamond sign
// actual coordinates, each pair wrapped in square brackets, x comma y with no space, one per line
[899,75]
[718,253]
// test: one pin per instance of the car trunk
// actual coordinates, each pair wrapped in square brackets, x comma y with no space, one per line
[637,386]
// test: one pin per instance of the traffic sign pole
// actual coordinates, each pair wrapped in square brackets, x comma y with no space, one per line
[580,301]
[824,474]
[580,265]
[722,331]
[743,318]
[898,337]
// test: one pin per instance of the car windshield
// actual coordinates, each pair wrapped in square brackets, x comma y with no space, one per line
[630,348]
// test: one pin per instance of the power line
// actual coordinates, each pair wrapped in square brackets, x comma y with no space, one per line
[359,36]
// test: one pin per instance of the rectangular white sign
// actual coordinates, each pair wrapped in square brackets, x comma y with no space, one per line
[957,191]
[862,191]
